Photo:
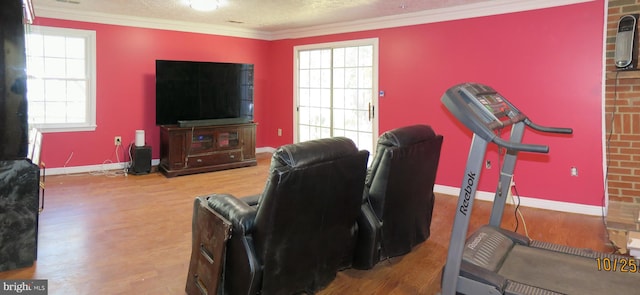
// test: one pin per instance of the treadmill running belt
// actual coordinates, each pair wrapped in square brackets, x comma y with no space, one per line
[565,273]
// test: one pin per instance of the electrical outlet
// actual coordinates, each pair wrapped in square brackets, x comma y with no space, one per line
[574,171]
[510,192]
[117,140]
[279,131]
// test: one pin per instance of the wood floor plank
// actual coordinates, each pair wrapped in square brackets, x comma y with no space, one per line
[132,235]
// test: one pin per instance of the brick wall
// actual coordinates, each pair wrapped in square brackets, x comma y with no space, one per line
[622,104]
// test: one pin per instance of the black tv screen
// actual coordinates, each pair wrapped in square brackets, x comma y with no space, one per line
[192,91]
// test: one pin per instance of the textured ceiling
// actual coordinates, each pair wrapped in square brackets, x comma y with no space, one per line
[261,15]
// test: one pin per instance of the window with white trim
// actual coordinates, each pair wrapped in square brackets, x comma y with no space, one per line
[61,79]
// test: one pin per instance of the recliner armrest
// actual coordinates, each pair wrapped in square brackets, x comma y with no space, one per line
[251,200]
[239,213]
[368,246]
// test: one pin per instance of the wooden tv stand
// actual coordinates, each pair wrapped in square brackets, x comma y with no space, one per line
[189,150]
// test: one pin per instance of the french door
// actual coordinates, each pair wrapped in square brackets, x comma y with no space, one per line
[335,88]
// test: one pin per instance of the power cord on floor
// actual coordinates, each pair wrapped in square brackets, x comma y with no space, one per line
[111,173]
[616,249]
[515,197]
[66,163]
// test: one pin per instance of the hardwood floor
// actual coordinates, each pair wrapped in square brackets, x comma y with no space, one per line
[132,235]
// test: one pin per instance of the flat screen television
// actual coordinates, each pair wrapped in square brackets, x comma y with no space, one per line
[195,93]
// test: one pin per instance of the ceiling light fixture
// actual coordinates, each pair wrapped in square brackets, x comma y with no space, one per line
[204,5]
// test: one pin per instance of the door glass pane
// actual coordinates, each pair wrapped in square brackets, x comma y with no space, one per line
[304,116]
[338,118]
[338,98]
[351,119]
[314,97]
[325,114]
[351,57]
[303,60]
[314,78]
[303,78]
[351,78]
[316,117]
[315,59]
[364,125]
[365,56]
[325,98]
[350,99]
[305,97]
[338,78]
[325,56]
[304,132]
[365,78]
[338,57]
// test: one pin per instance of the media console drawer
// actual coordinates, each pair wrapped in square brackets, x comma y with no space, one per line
[214,159]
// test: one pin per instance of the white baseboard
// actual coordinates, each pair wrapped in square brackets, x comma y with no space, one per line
[267,149]
[443,189]
[529,202]
[117,166]
[92,168]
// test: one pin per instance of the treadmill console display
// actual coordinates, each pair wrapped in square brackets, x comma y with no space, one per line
[495,104]
[481,108]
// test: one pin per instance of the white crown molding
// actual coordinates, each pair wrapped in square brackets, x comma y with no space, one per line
[423,17]
[149,23]
[431,16]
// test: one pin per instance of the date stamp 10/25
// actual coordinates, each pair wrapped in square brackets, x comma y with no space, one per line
[618,264]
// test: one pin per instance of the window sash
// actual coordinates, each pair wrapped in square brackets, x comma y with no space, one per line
[61,79]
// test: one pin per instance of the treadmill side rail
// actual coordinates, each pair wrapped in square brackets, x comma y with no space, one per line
[515,288]
[467,286]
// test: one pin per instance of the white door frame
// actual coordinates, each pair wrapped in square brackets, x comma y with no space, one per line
[374,100]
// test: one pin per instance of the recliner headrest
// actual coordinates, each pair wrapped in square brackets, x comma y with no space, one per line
[314,151]
[408,135]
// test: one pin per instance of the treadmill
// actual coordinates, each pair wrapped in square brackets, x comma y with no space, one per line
[497,261]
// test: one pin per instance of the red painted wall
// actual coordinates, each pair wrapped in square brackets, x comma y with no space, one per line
[548,62]
[125,93]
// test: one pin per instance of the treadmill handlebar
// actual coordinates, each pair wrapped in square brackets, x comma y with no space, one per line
[521,147]
[548,129]
[531,147]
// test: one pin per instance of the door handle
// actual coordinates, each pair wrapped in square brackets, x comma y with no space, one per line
[371,110]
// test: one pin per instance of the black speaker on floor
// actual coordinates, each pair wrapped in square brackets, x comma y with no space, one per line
[626,53]
[140,159]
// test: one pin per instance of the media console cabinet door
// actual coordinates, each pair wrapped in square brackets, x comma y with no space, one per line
[173,145]
[248,142]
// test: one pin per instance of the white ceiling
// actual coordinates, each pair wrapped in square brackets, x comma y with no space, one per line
[274,19]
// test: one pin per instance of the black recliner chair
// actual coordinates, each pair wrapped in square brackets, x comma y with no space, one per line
[299,235]
[398,197]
